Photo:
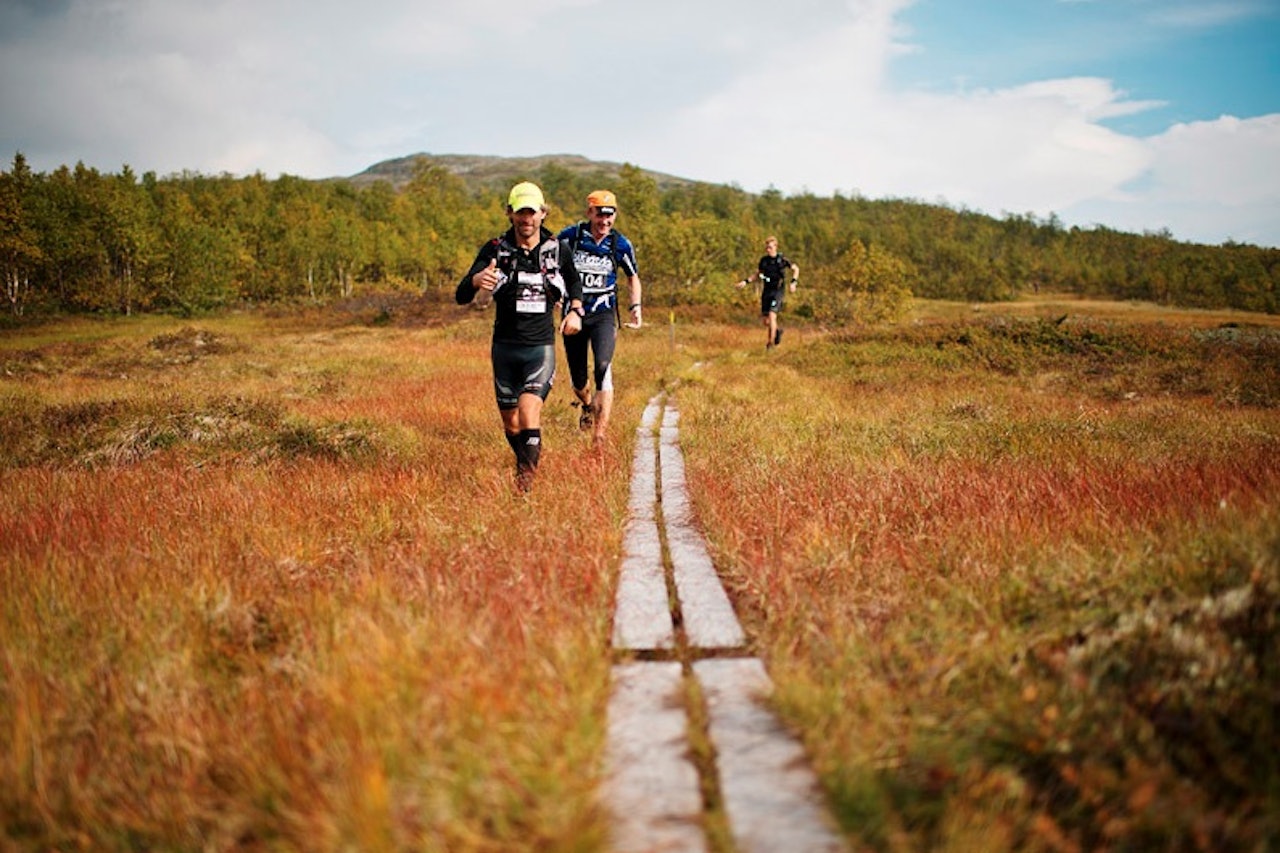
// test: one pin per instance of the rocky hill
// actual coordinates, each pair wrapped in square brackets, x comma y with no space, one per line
[497,173]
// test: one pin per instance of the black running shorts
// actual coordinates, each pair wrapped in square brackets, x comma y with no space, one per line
[770,301]
[522,370]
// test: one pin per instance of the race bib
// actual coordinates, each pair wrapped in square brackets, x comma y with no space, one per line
[593,271]
[532,300]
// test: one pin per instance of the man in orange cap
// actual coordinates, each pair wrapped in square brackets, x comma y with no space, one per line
[525,272]
[599,253]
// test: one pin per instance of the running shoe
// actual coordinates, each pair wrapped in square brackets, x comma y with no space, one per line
[588,417]
[524,478]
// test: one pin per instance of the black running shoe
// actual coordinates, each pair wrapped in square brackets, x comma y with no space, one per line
[524,477]
[777,337]
[588,416]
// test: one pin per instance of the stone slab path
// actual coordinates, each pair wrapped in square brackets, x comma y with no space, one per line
[678,641]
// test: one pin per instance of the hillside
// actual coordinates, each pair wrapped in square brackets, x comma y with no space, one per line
[89,242]
[495,173]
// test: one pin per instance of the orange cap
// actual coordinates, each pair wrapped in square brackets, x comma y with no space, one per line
[602,198]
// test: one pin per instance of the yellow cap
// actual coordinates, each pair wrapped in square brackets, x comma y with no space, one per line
[525,195]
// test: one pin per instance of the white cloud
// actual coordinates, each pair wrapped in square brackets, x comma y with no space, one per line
[309,88]
[743,92]
[1207,181]
[1229,161]
[1205,14]
[1028,148]
[777,122]
[826,121]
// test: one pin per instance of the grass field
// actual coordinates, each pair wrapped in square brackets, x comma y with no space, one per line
[266,585]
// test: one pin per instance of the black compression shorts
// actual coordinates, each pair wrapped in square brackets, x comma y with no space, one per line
[522,370]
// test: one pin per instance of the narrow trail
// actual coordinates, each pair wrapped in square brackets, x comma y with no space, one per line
[685,677]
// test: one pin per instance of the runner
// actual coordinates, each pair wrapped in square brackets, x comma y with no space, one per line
[522,273]
[771,269]
[599,253]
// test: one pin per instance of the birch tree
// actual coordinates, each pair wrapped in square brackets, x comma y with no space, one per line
[19,244]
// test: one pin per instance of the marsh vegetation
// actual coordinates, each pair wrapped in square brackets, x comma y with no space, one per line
[265,582]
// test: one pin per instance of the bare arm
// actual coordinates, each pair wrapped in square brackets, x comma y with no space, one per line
[636,292]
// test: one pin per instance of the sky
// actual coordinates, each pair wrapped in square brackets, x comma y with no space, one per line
[1138,115]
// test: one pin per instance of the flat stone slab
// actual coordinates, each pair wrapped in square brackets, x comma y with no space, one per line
[771,795]
[709,620]
[650,787]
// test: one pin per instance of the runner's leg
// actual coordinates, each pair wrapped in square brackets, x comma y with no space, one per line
[532,370]
[575,352]
[604,341]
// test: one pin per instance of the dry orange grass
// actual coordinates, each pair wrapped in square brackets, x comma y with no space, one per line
[266,584]
[1017,582]
[270,587]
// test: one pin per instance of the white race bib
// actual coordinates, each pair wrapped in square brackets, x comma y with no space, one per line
[532,300]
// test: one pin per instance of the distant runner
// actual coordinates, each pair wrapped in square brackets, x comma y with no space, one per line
[599,253]
[525,274]
[772,269]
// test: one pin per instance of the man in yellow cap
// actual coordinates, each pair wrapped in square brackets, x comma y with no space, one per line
[599,253]
[526,272]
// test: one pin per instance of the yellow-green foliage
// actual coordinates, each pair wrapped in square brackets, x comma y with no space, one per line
[84,241]
[863,285]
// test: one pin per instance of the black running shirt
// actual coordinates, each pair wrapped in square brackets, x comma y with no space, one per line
[532,282]
[773,271]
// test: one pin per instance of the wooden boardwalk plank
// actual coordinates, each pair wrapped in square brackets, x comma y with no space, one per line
[771,798]
[770,794]
[650,785]
[642,611]
[709,620]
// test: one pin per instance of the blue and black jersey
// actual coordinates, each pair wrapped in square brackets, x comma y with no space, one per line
[598,264]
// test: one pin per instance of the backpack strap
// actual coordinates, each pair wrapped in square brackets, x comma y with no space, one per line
[549,260]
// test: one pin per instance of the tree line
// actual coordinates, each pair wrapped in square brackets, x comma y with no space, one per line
[80,240]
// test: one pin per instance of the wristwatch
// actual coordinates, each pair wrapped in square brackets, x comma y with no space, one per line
[580,312]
